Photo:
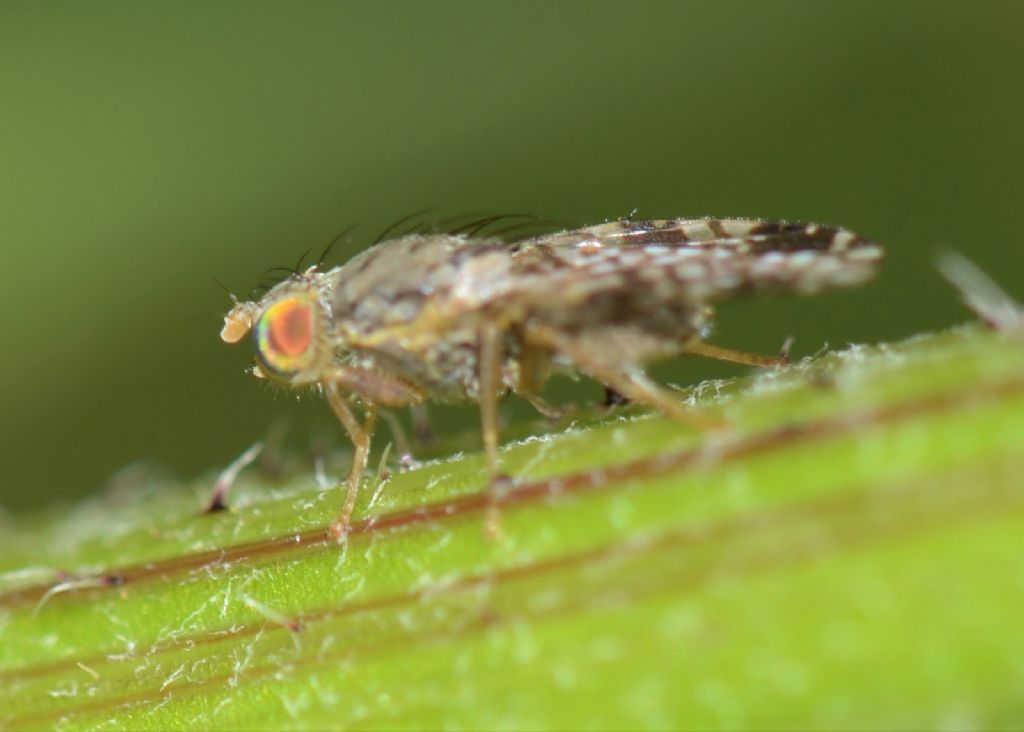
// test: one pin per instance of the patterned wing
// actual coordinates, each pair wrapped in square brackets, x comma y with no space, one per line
[699,260]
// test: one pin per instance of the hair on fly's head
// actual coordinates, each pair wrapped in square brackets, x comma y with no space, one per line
[330,245]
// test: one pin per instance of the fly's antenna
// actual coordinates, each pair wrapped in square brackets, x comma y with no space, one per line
[403,220]
[330,245]
[221,285]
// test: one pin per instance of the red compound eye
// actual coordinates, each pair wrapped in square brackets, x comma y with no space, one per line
[291,328]
[284,335]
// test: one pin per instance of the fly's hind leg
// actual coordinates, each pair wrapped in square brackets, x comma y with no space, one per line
[631,383]
[551,412]
[613,398]
[707,350]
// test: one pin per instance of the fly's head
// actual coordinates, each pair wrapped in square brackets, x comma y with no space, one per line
[290,326]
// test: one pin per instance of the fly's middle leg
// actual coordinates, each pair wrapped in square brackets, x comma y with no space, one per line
[401,440]
[491,358]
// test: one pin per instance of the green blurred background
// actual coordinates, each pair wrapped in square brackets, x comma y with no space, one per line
[147,148]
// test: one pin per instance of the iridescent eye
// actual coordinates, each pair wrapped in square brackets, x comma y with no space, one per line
[284,336]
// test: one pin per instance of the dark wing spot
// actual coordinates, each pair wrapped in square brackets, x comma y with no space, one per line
[769,228]
[785,236]
[667,232]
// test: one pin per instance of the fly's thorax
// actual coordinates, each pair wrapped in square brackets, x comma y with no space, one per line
[415,282]
[291,331]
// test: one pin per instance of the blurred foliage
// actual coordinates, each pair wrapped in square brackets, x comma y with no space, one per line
[148,147]
[845,556]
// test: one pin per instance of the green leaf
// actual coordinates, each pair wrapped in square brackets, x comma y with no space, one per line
[845,554]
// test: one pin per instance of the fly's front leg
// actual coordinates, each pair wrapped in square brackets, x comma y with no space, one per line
[360,434]
[373,388]
[630,383]
[490,385]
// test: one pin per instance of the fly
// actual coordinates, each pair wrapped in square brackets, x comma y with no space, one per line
[454,317]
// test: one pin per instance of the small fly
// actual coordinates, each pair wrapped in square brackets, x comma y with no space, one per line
[455,317]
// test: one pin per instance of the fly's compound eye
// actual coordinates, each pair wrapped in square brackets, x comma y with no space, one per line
[285,336]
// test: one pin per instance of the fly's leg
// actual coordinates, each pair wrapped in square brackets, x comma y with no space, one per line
[631,383]
[491,356]
[490,388]
[373,388]
[551,412]
[405,458]
[360,434]
[534,369]
[613,398]
[636,386]
[422,428]
[707,350]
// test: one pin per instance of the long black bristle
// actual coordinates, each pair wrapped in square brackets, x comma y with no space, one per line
[403,220]
[444,226]
[474,228]
[522,226]
[335,240]
[298,265]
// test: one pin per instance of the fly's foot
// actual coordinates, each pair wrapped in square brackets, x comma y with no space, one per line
[407,463]
[338,530]
[497,489]
[613,398]
[787,345]
[553,413]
